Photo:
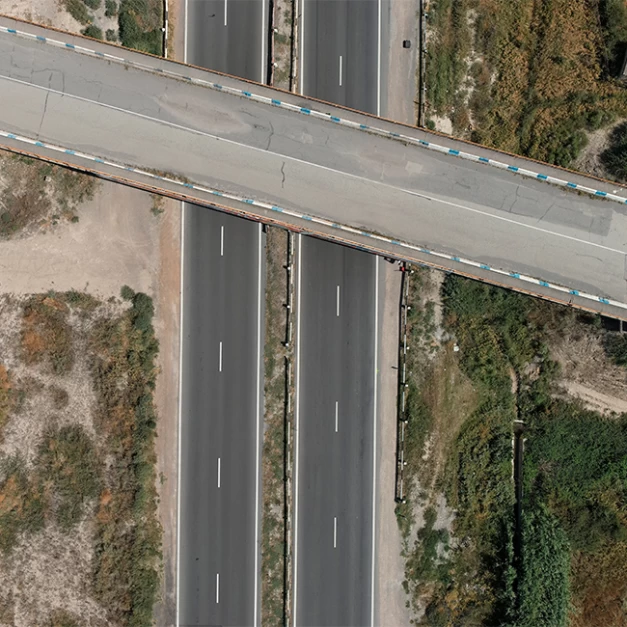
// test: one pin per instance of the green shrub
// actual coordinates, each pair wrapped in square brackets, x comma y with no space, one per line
[78,10]
[111,35]
[92,4]
[92,31]
[111,8]
[67,459]
[127,293]
[614,158]
[544,586]
[615,345]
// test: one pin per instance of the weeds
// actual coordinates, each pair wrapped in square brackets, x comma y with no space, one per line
[140,23]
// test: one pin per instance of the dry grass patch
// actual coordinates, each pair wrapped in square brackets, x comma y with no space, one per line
[274,469]
[37,195]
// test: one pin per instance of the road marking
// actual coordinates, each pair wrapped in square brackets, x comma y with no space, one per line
[379,60]
[340,70]
[218,472]
[336,416]
[225,10]
[337,307]
[217,587]
[185,36]
[264,35]
[374,436]
[335,533]
[258,424]
[220,357]
[301,63]
[221,241]
[297,425]
[178,489]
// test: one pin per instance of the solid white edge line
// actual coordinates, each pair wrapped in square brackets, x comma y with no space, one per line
[379,60]
[296,429]
[257,427]
[179,443]
[301,60]
[185,36]
[263,43]
[374,437]
[225,10]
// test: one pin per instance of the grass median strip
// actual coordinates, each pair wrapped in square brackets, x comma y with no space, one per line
[277,360]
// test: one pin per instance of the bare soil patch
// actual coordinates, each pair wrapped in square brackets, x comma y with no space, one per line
[587,373]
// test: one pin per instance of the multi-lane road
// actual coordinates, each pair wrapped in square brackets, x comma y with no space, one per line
[336,435]
[334,556]
[221,408]
[220,419]
[343,52]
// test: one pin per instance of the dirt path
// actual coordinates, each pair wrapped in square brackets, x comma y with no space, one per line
[390,567]
[167,325]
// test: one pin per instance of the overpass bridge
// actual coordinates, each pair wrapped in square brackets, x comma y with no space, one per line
[311,166]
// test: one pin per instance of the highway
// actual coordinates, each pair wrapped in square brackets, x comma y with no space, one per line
[315,168]
[335,423]
[341,47]
[223,266]
[228,36]
[336,338]
[218,575]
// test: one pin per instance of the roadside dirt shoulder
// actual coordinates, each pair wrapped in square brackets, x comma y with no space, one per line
[167,327]
[391,568]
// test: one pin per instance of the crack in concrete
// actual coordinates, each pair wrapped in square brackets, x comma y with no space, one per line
[283,174]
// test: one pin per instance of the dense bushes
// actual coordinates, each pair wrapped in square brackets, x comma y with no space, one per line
[140,23]
[544,585]
[129,536]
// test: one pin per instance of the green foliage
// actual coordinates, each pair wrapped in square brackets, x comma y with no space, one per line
[575,460]
[111,8]
[446,52]
[22,504]
[78,10]
[544,586]
[61,618]
[92,4]
[92,31]
[615,345]
[111,35]
[614,158]
[129,536]
[127,293]
[68,462]
[613,14]
[140,23]
[424,563]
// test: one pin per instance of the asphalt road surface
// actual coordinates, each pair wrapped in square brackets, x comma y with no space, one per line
[220,429]
[228,36]
[340,64]
[221,407]
[341,44]
[335,427]
[315,166]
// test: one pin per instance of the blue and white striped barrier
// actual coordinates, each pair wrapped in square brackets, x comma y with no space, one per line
[321,221]
[327,116]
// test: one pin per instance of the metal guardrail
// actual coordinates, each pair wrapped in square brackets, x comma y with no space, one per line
[402,417]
